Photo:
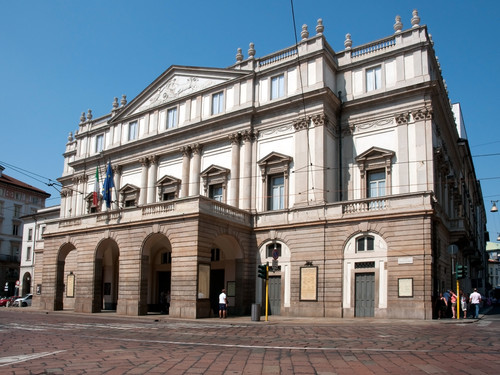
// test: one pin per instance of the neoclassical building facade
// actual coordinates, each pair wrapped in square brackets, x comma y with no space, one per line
[345,171]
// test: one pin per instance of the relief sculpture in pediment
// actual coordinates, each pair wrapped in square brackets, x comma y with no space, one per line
[176,87]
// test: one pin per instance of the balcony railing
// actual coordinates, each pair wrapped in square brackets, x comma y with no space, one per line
[365,206]
[373,47]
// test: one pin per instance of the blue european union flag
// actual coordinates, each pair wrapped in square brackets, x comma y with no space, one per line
[108,186]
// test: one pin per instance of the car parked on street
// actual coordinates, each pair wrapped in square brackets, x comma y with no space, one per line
[24,301]
[8,301]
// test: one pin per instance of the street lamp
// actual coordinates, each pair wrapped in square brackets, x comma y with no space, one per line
[494,207]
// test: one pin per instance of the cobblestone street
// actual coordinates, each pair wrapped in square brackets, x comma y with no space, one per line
[36,342]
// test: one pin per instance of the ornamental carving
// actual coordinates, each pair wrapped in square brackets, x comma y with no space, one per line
[402,119]
[301,123]
[422,114]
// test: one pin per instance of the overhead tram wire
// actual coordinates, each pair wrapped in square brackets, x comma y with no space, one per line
[309,159]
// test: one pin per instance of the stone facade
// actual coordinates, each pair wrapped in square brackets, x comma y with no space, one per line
[348,167]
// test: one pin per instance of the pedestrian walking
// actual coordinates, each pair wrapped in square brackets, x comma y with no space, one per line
[463,304]
[442,306]
[475,300]
[223,304]
[453,300]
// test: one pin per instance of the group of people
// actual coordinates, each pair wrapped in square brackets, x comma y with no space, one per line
[448,301]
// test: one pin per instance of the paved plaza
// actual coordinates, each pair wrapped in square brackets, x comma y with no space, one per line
[39,342]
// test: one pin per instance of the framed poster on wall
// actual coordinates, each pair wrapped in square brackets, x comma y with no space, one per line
[405,287]
[70,285]
[203,281]
[309,283]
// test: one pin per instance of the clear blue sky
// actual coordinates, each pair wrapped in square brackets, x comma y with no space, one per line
[59,58]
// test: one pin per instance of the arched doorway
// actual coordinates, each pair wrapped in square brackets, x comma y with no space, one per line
[279,276]
[156,273]
[226,270]
[26,284]
[106,276]
[365,275]
[66,277]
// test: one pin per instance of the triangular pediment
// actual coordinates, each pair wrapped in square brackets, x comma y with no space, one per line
[168,180]
[274,158]
[175,83]
[214,170]
[375,153]
[129,188]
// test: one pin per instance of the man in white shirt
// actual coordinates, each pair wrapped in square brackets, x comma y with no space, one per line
[222,304]
[475,300]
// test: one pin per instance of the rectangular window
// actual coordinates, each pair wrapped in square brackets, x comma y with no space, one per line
[376,184]
[277,86]
[166,258]
[99,142]
[1,207]
[365,243]
[217,103]
[30,234]
[373,78]
[215,192]
[169,196]
[132,131]
[17,210]
[28,253]
[15,229]
[276,193]
[171,118]
[215,255]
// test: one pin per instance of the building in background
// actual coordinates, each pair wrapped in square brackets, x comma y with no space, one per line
[348,172]
[33,229]
[493,251]
[16,200]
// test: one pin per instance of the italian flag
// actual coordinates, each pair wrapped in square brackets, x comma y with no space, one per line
[95,195]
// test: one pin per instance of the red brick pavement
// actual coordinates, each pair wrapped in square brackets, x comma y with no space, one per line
[69,343]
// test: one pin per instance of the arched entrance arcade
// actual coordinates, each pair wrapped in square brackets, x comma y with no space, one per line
[106,276]
[66,271]
[226,272]
[156,270]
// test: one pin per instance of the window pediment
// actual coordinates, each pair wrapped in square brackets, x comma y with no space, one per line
[214,175]
[129,188]
[129,195]
[168,187]
[374,158]
[274,163]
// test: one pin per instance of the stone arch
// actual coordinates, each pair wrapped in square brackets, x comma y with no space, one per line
[26,283]
[227,267]
[66,252]
[156,268]
[284,262]
[366,260]
[106,275]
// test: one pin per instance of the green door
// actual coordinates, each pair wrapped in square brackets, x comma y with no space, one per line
[274,295]
[365,294]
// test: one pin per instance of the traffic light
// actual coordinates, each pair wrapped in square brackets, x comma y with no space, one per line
[465,271]
[460,271]
[262,271]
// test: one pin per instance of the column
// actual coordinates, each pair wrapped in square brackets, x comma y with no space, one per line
[144,181]
[75,197]
[62,211]
[186,159]
[153,172]
[117,174]
[234,183]
[246,175]
[84,179]
[194,177]
[301,160]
